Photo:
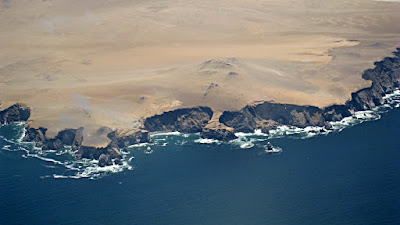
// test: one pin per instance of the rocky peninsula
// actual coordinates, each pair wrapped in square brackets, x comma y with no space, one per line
[384,77]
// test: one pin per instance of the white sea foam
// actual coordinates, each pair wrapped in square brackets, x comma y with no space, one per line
[21,124]
[247,145]
[257,132]
[139,145]
[165,133]
[244,141]
[206,141]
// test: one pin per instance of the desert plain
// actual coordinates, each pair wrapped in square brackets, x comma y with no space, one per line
[99,63]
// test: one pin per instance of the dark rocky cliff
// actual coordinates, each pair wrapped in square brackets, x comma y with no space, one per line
[188,120]
[268,115]
[385,78]
[15,113]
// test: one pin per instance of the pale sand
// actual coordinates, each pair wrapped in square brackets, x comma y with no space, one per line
[112,63]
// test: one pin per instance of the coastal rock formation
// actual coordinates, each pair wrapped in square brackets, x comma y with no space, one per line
[218,131]
[268,115]
[385,78]
[35,135]
[67,137]
[124,139]
[15,113]
[71,137]
[336,112]
[221,134]
[108,155]
[188,120]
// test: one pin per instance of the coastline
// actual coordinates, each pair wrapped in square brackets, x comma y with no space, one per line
[263,116]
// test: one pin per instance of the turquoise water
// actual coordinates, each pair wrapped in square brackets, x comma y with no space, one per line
[347,177]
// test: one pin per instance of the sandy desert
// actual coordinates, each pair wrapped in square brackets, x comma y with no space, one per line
[102,63]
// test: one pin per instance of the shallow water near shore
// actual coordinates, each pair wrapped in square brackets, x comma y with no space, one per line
[347,177]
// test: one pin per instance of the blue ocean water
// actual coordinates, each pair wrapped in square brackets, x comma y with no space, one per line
[347,177]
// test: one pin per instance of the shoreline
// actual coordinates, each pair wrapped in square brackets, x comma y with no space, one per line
[263,116]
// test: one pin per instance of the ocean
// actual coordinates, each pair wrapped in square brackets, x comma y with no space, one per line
[349,176]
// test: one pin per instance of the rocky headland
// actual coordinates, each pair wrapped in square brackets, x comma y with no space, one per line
[385,78]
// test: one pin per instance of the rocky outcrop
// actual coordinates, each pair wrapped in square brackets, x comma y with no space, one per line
[15,113]
[124,139]
[71,137]
[244,120]
[67,137]
[385,78]
[221,134]
[108,155]
[35,135]
[268,115]
[218,131]
[288,114]
[188,120]
[336,112]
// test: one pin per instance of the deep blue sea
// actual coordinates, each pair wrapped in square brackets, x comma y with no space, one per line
[347,177]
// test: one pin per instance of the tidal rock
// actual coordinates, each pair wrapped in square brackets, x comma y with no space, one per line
[328,126]
[105,160]
[188,120]
[15,113]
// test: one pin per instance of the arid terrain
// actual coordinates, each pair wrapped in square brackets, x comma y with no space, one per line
[101,63]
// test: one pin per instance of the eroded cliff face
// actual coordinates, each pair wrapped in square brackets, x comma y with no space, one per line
[268,115]
[385,78]
[188,120]
[15,113]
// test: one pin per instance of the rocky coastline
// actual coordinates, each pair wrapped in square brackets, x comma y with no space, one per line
[385,78]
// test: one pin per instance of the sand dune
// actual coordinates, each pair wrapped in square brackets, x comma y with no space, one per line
[111,63]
